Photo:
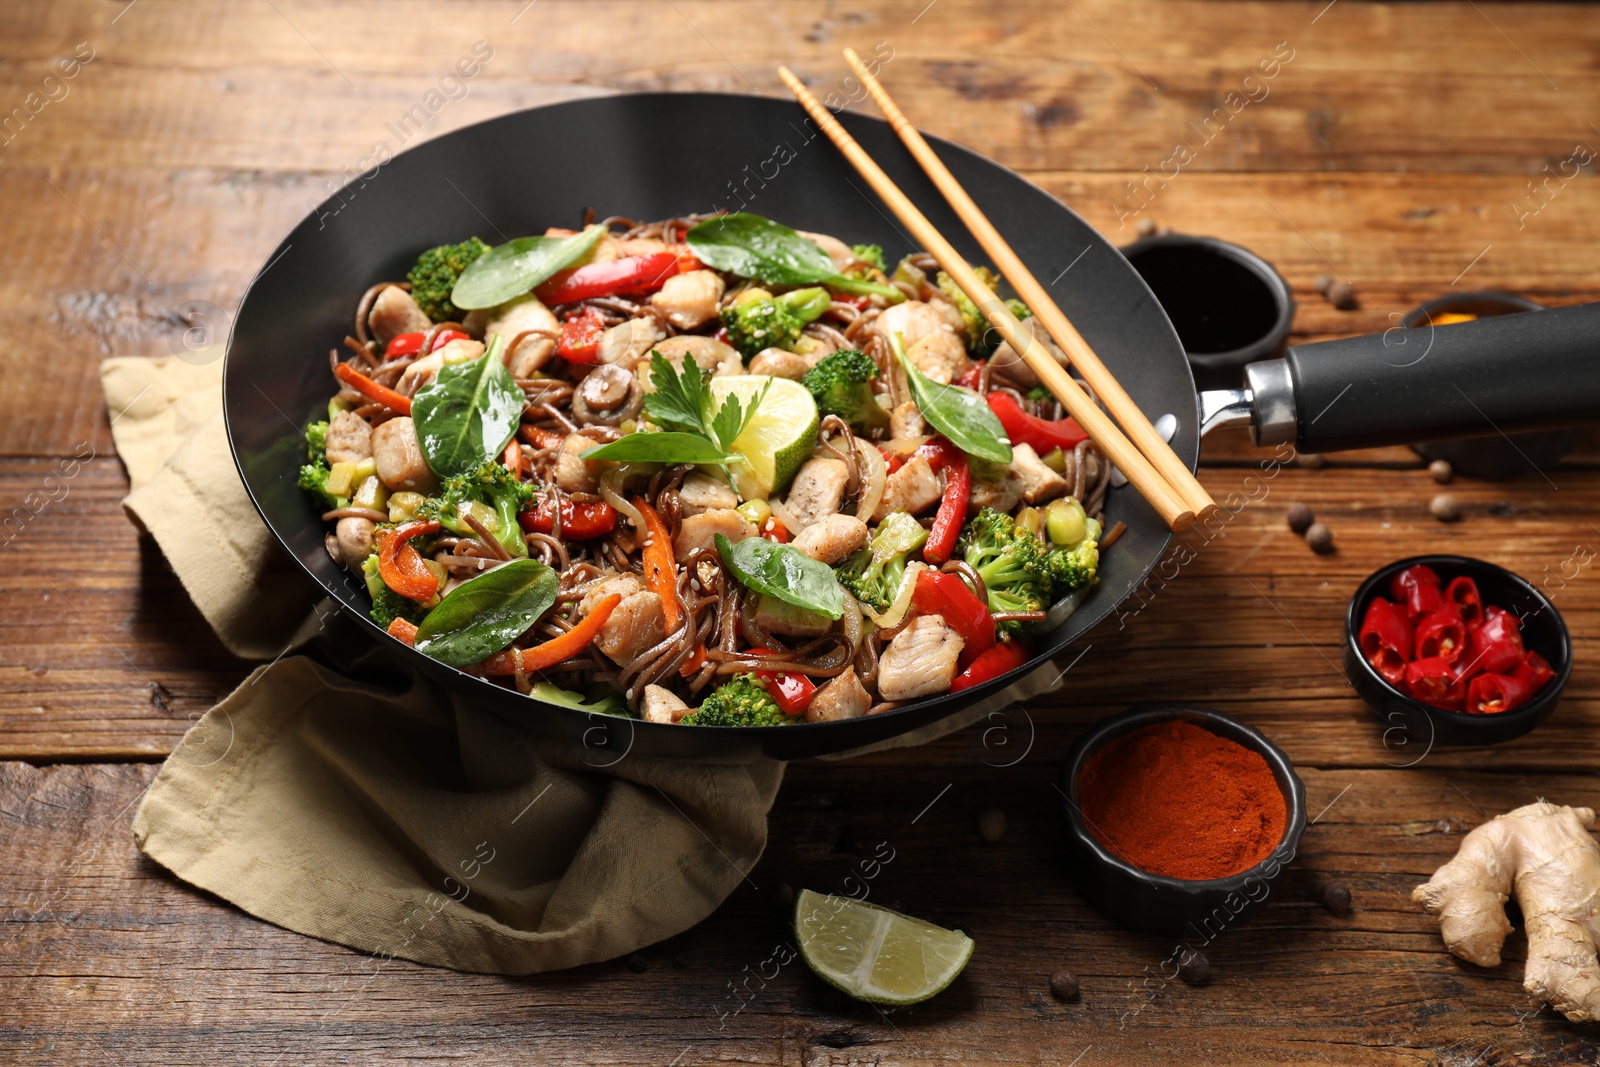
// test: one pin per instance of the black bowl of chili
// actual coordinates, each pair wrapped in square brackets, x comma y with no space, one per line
[1416,722]
[1163,903]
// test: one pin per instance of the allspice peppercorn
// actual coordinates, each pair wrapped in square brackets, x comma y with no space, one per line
[1445,508]
[1320,538]
[1195,969]
[1336,898]
[1064,985]
[1441,471]
[1342,295]
[1299,518]
[992,825]
[1311,461]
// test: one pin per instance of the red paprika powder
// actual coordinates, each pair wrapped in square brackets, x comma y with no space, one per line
[1176,799]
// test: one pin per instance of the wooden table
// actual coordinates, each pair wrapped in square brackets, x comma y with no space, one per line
[1394,149]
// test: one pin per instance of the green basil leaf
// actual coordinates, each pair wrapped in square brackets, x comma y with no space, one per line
[507,271]
[753,247]
[486,613]
[664,447]
[784,572]
[468,413]
[960,414]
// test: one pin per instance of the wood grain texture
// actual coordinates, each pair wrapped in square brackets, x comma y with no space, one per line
[1395,150]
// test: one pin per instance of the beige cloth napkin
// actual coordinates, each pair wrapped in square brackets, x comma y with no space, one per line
[376,810]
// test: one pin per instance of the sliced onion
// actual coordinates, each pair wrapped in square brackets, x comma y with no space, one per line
[783,515]
[1063,608]
[902,601]
[904,446]
[874,477]
[611,491]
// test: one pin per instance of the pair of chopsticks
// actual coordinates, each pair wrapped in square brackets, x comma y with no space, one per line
[1146,460]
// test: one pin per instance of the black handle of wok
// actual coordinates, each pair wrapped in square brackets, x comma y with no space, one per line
[1539,370]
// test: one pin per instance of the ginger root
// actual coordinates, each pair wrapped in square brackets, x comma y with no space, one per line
[1544,853]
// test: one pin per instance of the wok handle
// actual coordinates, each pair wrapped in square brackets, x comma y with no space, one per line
[1538,370]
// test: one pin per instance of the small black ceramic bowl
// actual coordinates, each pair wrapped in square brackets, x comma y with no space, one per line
[1154,903]
[1410,721]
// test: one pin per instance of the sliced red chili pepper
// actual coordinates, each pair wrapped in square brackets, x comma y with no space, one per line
[1434,681]
[404,631]
[660,567]
[791,692]
[775,531]
[949,597]
[1495,643]
[403,344]
[579,522]
[1535,670]
[1386,639]
[401,566]
[1418,589]
[1490,694]
[1463,593]
[1042,434]
[1441,633]
[557,649]
[581,337]
[624,276]
[952,513]
[1003,658]
[370,389]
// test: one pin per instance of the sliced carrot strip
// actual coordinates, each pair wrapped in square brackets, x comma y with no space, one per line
[379,394]
[660,568]
[404,631]
[401,566]
[557,649]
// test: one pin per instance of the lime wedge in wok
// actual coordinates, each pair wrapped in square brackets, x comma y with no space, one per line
[780,436]
[875,954]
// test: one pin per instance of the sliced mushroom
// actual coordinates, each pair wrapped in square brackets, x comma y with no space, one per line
[607,395]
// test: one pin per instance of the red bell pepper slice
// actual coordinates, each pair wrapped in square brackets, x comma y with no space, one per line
[892,460]
[1463,593]
[625,276]
[1496,643]
[404,631]
[775,531]
[401,566]
[1418,588]
[946,595]
[1490,694]
[1441,634]
[579,522]
[1535,670]
[693,663]
[971,377]
[581,336]
[1003,658]
[952,513]
[791,692]
[444,337]
[380,394]
[1386,639]
[403,344]
[1043,434]
[1434,681]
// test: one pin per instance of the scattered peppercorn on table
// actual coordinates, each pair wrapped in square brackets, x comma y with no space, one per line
[1391,151]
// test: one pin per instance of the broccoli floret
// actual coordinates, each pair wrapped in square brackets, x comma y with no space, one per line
[871,254]
[743,701]
[435,276]
[981,338]
[317,441]
[759,320]
[1072,568]
[493,485]
[314,475]
[1041,394]
[1012,563]
[387,605]
[874,574]
[842,385]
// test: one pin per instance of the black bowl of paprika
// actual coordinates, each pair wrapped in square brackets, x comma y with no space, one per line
[1180,820]
[1537,627]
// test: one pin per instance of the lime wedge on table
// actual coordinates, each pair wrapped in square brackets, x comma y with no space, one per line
[780,436]
[875,954]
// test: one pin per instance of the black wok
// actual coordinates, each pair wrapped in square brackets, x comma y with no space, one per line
[656,156]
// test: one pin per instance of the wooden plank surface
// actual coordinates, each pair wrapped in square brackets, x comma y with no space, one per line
[1394,149]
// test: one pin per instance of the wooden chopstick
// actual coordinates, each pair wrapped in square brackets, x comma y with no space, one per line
[1034,295]
[1117,448]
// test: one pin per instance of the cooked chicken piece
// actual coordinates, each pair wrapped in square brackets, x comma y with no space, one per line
[461,350]
[1006,361]
[624,585]
[914,320]
[1039,482]
[817,490]
[349,438]
[843,697]
[354,535]
[702,492]
[662,705]
[395,313]
[995,486]
[920,661]
[780,363]
[399,457]
[511,319]
[906,421]
[419,374]
[913,488]
[941,356]
[708,353]
[640,246]
[832,539]
[574,475]
[786,620]
[635,625]
[837,250]
[627,342]
[690,299]
[700,531]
